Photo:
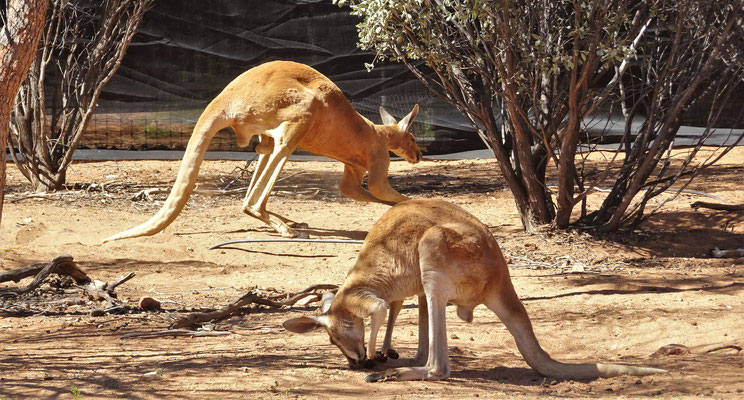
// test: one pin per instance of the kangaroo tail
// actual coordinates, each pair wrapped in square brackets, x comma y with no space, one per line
[206,127]
[512,313]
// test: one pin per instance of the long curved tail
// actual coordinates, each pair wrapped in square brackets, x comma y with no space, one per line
[510,310]
[206,127]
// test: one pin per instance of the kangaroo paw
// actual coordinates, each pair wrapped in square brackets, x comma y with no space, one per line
[299,225]
[392,354]
[380,357]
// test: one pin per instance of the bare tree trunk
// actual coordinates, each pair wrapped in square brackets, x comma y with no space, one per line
[18,39]
[81,48]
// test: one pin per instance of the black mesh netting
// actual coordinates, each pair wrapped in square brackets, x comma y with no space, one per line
[186,51]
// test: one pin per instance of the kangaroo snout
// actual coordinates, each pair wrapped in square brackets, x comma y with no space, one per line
[362,363]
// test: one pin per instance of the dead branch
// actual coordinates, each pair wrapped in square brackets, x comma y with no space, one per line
[725,347]
[44,195]
[60,265]
[717,206]
[121,280]
[98,290]
[251,298]
[103,291]
[65,266]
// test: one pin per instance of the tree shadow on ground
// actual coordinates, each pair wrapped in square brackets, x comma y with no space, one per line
[682,234]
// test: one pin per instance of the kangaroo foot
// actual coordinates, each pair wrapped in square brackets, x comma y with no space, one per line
[383,376]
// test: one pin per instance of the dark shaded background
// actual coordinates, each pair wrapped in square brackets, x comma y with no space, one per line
[186,51]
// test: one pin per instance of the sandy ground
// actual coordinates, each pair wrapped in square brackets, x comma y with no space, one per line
[592,297]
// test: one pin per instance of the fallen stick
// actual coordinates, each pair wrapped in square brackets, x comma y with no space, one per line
[725,347]
[65,266]
[121,280]
[717,206]
[61,265]
[98,290]
[249,298]
[43,195]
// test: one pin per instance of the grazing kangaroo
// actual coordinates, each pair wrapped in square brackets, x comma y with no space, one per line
[441,253]
[290,105]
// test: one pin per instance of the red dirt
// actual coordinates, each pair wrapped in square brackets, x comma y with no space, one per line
[614,298]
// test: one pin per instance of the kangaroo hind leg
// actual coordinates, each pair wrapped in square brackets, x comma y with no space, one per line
[257,196]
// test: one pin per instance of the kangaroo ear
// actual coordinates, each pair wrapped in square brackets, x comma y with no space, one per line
[304,324]
[406,122]
[387,119]
[325,302]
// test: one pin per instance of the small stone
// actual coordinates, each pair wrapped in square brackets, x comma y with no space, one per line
[147,303]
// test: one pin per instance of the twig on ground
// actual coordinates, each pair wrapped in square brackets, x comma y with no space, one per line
[145,194]
[65,266]
[60,265]
[251,298]
[717,206]
[43,195]
[289,176]
[526,262]
[212,288]
[121,280]
[724,347]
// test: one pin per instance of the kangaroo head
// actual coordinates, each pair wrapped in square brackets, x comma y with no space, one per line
[400,140]
[345,330]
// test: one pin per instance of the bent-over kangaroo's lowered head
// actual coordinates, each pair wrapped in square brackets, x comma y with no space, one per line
[289,105]
[441,253]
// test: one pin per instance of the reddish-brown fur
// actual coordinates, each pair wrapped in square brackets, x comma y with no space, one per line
[442,254]
[287,105]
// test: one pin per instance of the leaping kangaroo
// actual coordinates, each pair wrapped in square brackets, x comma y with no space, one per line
[443,254]
[290,105]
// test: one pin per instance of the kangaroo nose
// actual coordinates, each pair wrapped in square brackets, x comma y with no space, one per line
[362,363]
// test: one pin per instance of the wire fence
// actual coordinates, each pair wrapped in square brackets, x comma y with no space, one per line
[164,130]
[118,128]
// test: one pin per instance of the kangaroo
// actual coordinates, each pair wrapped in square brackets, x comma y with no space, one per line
[290,105]
[443,254]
